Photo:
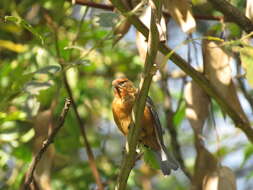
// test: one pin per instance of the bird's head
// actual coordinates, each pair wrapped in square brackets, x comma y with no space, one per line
[124,88]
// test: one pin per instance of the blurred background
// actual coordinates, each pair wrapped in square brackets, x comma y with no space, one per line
[47,46]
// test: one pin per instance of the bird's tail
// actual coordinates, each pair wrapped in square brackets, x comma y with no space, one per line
[166,161]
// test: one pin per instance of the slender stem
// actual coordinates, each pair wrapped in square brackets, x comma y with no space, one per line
[133,136]
[234,14]
[45,145]
[241,83]
[171,127]
[91,158]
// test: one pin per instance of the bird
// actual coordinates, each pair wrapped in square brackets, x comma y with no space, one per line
[151,134]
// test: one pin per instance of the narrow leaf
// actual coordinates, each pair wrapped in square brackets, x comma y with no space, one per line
[21,22]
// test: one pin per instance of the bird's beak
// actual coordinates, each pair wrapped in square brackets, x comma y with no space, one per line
[114,83]
[116,87]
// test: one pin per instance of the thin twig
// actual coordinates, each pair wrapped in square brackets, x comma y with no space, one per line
[133,136]
[171,127]
[45,145]
[198,77]
[111,8]
[90,154]
[91,158]
[234,14]
[241,82]
[80,26]
[95,5]
[181,98]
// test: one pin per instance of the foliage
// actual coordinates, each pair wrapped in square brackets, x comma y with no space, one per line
[41,40]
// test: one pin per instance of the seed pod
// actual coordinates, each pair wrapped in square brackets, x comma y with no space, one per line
[217,70]
[180,10]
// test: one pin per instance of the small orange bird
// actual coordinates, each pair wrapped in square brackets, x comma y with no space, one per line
[151,134]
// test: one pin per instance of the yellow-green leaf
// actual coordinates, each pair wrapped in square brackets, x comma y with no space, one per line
[19,48]
[25,24]
[246,54]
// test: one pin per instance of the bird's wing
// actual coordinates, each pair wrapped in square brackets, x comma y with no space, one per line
[166,159]
[158,126]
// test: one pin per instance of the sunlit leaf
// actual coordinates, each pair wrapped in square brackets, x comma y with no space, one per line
[248,153]
[16,115]
[246,54]
[13,46]
[21,22]
[34,87]
[4,156]
[43,57]
[8,136]
[27,136]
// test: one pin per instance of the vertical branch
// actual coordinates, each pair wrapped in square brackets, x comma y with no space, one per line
[46,143]
[90,154]
[171,127]
[133,137]
[91,158]
[241,82]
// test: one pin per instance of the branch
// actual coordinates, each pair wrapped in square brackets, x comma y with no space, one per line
[133,136]
[111,8]
[45,145]
[240,81]
[91,159]
[233,14]
[198,77]
[89,152]
[95,5]
[170,125]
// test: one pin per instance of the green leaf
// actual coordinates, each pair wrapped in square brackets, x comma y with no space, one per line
[51,69]
[23,152]
[179,115]
[235,30]
[34,87]
[21,22]
[246,54]
[222,151]
[106,19]
[248,152]
[19,48]
[150,159]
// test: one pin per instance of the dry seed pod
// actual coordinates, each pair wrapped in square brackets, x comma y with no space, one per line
[180,10]
[217,70]
[249,9]
[42,127]
[197,110]
[201,168]
[216,64]
[197,106]
[141,41]
[222,179]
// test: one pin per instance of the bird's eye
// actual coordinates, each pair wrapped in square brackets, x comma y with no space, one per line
[122,83]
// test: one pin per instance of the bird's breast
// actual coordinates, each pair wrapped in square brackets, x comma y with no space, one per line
[122,115]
